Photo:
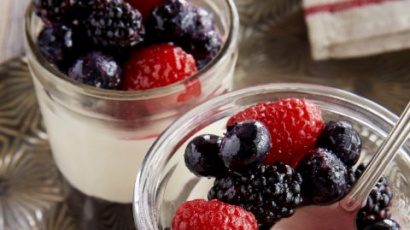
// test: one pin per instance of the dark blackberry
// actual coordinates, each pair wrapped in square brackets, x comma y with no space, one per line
[52,10]
[246,144]
[385,224]
[325,177]
[343,140]
[65,11]
[269,192]
[193,28]
[96,69]
[116,25]
[201,156]
[57,45]
[377,203]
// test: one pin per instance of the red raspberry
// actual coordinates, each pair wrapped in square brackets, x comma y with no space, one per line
[206,215]
[156,66]
[294,125]
[145,7]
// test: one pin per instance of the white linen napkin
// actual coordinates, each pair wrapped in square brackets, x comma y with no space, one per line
[353,28]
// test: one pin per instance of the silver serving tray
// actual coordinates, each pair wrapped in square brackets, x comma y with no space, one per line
[273,48]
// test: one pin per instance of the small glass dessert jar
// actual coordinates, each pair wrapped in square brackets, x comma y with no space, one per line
[99,137]
[164,182]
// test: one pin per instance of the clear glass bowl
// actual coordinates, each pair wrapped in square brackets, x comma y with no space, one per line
[164,182]
[99,137]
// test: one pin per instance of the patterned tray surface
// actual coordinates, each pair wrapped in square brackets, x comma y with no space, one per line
[273,48]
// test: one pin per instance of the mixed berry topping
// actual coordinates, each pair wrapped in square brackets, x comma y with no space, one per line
[156,66]
[96,69]
[201,156]
[167,40]
[325,177]
[245,144]
[270,192]
[294,125]
[206,215]
[343,140]
[304,175]
[191,27]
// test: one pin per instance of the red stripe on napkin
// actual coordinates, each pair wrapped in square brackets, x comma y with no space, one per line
[341,6]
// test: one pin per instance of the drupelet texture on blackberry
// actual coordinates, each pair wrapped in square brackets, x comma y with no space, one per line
[116,25]
[343,140]
[191,27]
[269,192]
[65,11]
[377,203]
[325,177]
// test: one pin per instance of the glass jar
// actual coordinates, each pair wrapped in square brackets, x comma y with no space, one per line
[164,182]
[99,137]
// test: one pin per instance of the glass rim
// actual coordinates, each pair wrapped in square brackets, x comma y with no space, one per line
[143,198]
[228,47]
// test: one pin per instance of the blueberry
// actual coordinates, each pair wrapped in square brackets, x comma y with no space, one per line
[56,44]
[96,69]
[325,177]
[201,156]
[246,144]
[386,224]
[190,27]
[343,140]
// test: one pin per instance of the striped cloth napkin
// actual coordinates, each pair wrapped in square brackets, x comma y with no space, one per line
[354,28]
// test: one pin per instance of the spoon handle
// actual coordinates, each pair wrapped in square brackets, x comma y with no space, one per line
[378,164]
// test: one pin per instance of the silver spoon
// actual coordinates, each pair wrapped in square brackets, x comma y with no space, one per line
[342,215]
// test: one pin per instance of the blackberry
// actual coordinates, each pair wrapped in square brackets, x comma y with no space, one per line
[57,45]
[65,11]
[385,224]
[191,27]
[377,203]
[201,156]
[343,140]
[116,25]
[246,144]
[325,177]
[269,192]
[96,69]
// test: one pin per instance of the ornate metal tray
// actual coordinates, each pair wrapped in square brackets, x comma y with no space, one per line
[273,48]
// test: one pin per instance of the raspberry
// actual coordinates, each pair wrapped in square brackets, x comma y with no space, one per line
[145,7]
[96,69]
[116,25]
[269,192]
[343,140]
[325,177]
[157,66]
[206,215]
[294,125]
[190,27]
